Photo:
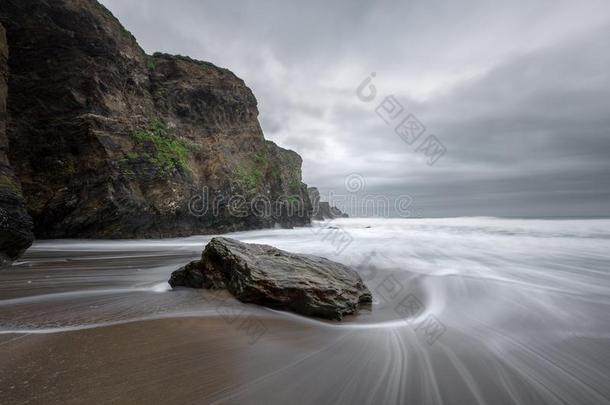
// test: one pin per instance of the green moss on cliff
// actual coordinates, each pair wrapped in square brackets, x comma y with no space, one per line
[261,159]
[294,186]
[151,64]
[293,200]
[106,12]
[250,177]
[168,152]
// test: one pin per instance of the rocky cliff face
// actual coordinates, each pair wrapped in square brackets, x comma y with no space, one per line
[109,142]
[15,224]
[322,210]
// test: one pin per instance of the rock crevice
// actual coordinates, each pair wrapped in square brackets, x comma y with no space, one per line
[15,223]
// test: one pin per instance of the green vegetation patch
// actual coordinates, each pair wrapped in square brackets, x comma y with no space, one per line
[251,177]
[151,63]
[293,200]
[294,186]
[168,153]
[261,159]
[248,179]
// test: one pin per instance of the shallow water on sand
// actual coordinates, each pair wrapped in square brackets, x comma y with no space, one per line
[466,311]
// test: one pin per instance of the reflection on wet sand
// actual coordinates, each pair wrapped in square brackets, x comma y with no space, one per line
[467,311]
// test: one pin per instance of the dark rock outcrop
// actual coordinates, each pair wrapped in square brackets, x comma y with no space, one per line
[321,209]
[15,223]
[261,274]
[109,142]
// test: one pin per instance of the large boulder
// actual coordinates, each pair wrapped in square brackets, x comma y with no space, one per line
[264,275]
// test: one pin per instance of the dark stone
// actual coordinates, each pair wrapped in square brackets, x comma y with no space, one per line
[15,223]
[321,209]
[264,275]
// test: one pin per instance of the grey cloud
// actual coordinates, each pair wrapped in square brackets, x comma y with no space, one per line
[517,91]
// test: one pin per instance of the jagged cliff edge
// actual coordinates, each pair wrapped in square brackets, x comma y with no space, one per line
[105,141]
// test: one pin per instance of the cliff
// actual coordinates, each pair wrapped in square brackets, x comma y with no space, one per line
[109,142]
[15,223]
[322,210]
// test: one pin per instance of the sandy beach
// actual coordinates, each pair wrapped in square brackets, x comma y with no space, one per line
[520,311]
[184,360]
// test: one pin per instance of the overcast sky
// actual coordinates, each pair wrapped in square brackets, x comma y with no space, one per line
[517,92]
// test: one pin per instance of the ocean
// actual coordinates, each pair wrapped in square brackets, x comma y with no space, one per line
[466,311]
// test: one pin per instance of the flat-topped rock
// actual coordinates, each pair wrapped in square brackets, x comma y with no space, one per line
[264,275]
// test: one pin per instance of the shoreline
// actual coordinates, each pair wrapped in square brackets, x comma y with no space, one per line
[502,290]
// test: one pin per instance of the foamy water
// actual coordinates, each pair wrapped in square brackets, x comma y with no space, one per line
[467,310]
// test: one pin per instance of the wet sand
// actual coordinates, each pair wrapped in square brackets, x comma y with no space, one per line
[184,360]
[203,360]
[521,313]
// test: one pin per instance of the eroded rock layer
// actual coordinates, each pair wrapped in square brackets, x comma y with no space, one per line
[15,223]
[109,142]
